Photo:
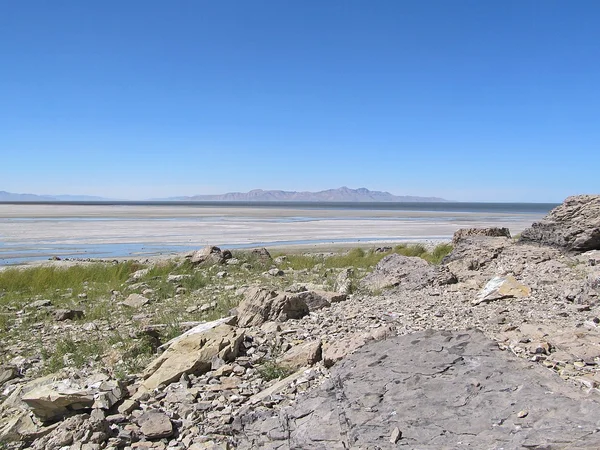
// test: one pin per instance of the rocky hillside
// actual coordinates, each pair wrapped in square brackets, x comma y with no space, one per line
[497,346]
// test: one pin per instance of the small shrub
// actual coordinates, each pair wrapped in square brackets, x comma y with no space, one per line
[272,371]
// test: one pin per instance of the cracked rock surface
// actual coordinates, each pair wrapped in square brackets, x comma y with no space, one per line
[442,390]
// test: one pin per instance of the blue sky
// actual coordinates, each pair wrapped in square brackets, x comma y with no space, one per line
[468,100]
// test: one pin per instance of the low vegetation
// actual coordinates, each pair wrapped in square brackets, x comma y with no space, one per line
[270,370]
[179,293]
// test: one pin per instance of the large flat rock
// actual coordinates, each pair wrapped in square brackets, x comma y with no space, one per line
[442,390]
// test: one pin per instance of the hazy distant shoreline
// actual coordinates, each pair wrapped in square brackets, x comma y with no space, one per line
[38,231]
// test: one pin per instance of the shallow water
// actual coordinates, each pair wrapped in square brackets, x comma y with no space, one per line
[39,231]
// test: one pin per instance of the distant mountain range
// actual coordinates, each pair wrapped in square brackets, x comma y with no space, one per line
[11,197]
[342,194]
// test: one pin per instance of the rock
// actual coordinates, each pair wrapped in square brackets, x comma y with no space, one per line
[313,300]
[470,232]
[138,275]
[67,314]
[397,383]
[502,287]
[192,354]
[261,253]
[261,305]
[155,425]
[136,301]
[318,299]
[81,431]
[128,406]
[302,355]
[396,435]
[275,272]
[336,351]
[40,304]
[343,282]
[474,253]
[17,427]
[394,270]
[270,327]
[8,373]
[209,255]
[50,398]
[177,278]
[573,226]
[201,328]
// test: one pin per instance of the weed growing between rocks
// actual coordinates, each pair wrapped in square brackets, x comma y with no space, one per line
[71,352]
[270,370]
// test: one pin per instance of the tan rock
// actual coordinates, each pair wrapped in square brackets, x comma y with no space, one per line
[502,287]
[136,301]
[49,397]
[261,305]
[192,354]
[128,406]
[8,373]
[15,427]
[226,384]
[210,255]
[155,425]
[335,351]
[302,355]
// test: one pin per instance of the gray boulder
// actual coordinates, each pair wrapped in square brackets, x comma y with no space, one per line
[52,397]
[573,226]
[262,305]
[431,390]
[395,270]
[209,255]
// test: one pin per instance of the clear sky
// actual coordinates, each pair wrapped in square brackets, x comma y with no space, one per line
[467,100]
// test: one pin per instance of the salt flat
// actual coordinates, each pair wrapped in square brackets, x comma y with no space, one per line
[38,231]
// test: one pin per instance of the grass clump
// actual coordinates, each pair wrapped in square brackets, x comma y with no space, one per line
[272,371]
[434,256]
[439,253]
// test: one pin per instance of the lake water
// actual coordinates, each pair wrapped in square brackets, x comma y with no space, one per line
[119,229]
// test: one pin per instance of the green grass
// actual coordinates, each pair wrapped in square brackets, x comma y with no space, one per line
[419,250]
[5,322]
[156,279]
[73,353]
[438,253]
[41,280]
[272,371]
[359,258]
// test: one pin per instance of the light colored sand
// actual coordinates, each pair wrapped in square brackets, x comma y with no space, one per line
[35,227]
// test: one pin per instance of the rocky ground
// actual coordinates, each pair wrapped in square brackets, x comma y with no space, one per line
[323,351]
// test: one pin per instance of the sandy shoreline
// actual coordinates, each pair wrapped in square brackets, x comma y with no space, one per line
[30,232]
